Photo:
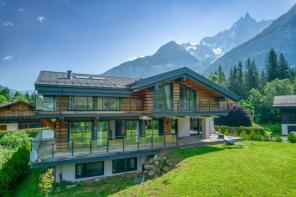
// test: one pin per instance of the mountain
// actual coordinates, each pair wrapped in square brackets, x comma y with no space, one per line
[168,57]
[210,49]
[195,56]
[280,35]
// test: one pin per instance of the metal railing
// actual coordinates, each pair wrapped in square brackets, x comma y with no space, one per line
[52,148]
[179,106]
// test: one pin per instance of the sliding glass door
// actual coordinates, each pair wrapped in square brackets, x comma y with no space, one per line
[80,131]
[187,99]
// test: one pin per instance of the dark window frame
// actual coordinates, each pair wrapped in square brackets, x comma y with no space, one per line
[186,97]
[94,99]
[102,172]
[171,95]
[126,167]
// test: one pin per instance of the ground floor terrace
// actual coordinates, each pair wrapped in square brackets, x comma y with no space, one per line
[72,138]
[82,149]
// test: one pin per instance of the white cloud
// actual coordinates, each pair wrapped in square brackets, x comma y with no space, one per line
[8,24]
[41,19]
[21,9]
[7,58]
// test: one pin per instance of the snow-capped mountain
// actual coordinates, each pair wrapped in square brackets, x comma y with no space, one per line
[195,56]
[280,35]
[210,49]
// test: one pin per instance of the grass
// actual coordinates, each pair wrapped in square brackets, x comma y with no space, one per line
[258,169]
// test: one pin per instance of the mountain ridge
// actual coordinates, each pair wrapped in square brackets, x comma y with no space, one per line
[197,57]
[280,35]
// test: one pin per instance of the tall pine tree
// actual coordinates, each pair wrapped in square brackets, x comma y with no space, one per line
[272,65]
[284,69]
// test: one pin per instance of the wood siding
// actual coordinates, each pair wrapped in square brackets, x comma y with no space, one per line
[19,109]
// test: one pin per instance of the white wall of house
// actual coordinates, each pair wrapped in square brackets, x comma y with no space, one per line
[183,127]
[11,126]
[67,171]
[285,128]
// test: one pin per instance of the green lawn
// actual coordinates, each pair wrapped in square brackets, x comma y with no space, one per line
[259,169]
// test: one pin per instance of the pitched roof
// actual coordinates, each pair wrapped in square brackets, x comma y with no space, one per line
[284,101]
[83,80]
[183,72]
[7,104]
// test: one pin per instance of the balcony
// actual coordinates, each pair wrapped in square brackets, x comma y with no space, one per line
[203,107]
[50,148]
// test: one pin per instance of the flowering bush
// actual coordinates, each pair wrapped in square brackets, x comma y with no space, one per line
[237,116]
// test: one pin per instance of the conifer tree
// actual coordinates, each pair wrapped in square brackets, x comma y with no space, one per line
[284,70]
[272,65]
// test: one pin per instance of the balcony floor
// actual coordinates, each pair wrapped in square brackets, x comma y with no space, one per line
[65,154]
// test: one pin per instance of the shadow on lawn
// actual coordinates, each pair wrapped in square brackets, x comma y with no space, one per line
[183,153]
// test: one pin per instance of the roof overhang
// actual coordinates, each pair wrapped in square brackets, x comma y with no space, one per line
[183,73]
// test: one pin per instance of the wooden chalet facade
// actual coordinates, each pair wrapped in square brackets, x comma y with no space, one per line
[112,124]
[17,115]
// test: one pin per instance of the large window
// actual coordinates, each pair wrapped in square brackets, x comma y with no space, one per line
[151,127]
[80,132]
[187,99]
[131,128]
[89,103]
[89,169]
[124,165]
[111,104]
[81,103]
[46,103]
[163,98]
[102,132]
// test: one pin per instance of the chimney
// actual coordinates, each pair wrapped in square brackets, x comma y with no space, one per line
[69,74]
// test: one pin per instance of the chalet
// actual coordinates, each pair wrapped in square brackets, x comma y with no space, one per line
[107,125]
[287,106]
[17,115]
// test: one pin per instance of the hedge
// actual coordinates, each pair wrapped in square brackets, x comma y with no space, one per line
[238,131]
[31,132]
[14,170]
[249,133]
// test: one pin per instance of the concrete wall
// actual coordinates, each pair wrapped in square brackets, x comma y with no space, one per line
[206,127]
[285,128]
[183,127]
[66,172]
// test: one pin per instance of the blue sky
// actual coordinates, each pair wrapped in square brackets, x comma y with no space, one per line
[93,36]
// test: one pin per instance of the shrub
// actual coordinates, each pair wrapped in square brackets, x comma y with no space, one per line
[46,181]
[247,133]
[14,139]
[277,138]
[14,170]
[292,137]
[237,116]
[31,132]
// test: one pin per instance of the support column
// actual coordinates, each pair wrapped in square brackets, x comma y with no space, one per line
[212,126]
[183,127]
[205,125]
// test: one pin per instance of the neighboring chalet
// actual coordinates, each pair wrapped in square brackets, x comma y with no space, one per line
[287,106]
[107,125]
[17,115]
